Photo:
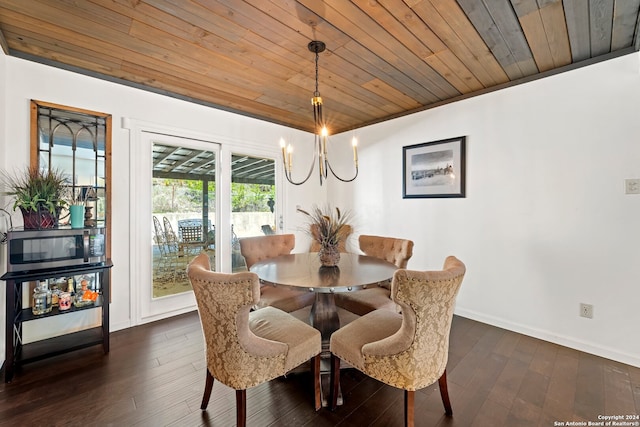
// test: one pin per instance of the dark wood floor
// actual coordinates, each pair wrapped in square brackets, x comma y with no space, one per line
[155,374]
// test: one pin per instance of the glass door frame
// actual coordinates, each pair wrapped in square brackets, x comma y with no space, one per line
[152,308]
[254,150]
[141,211]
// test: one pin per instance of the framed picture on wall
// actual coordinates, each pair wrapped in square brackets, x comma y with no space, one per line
[434,169]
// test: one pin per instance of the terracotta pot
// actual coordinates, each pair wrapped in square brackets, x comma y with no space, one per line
[329,256]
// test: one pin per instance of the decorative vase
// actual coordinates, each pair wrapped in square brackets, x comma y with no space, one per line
[77,216]
[88,221]
[329,256]
[41,218]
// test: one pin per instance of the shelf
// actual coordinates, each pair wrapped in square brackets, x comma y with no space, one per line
[50,347]
[26,314]
[29,276]
[16,353]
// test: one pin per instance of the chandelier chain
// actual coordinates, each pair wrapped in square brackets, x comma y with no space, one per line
[317,93]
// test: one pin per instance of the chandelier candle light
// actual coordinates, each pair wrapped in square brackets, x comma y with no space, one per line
[321,136]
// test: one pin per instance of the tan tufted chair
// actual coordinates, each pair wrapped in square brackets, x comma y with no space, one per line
[409,350]
[258,248]
[396,251]
[342,246]
[243,348]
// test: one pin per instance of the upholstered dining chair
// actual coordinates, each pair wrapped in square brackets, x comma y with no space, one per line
[396,251]
[342,245]
[258,248]
[246,348]
[407,350]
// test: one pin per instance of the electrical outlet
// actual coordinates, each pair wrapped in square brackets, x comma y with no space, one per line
[632,186]
[586,310]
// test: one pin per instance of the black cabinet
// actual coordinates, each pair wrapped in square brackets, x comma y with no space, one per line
[16,353]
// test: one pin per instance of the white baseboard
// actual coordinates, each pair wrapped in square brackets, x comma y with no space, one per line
[120,325]
[172,313]
[113,327]
[571,342]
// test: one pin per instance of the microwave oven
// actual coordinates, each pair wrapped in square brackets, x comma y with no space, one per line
[55,248]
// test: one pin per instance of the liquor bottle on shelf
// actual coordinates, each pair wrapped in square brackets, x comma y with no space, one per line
[55,295]
[41,299]
[84,296]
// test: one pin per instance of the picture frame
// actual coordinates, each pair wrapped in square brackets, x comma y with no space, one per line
[434,169]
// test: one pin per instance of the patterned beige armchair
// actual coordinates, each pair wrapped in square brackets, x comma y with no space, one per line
[396,251]
[408,350]
[258,248]
[243,348]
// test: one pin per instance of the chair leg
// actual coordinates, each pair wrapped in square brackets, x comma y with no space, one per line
[241,408]
[335,382]
[409,404]
[444,393]
[207,391]
[315,373]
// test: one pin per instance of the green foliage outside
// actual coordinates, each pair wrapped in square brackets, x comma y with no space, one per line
[251,197]
[173,195]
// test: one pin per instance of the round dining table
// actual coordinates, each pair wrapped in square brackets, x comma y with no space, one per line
[303,271]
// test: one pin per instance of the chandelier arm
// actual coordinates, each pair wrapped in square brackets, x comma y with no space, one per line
[289,175]
[321,143]
[321,168]
[318,122]
[336,175]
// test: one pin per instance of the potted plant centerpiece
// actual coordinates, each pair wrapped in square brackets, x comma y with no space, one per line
[39,194]
[328,227]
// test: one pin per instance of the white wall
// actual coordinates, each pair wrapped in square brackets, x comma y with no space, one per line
[545,224]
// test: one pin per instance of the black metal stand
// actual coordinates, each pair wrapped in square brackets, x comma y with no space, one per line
[16,353]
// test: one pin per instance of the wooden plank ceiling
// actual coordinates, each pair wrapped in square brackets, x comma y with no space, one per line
[384,58]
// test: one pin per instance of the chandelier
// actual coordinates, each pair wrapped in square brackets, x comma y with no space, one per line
[321,136]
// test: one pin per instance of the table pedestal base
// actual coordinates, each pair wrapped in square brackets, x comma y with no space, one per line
[324,317]
[325,386]
[327,318]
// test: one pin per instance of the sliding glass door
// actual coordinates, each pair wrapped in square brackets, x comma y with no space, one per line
[180,186]
[184,218]
[253,201]
[190,195]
